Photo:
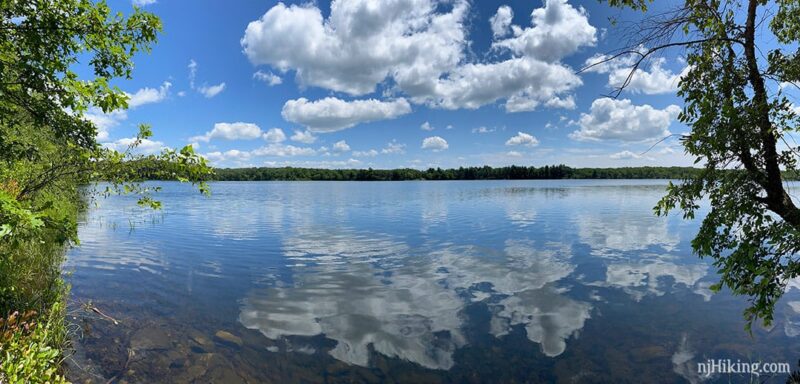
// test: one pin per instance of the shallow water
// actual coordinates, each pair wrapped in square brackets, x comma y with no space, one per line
[465,281]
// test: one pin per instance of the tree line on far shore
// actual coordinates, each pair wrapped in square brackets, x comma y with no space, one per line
[462,173]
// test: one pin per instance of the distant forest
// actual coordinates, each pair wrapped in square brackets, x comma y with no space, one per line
[470,173]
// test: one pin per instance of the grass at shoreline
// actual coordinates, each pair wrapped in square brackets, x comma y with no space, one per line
[33,328]
[33,331]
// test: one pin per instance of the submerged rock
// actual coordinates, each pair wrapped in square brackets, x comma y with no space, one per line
[150,339]
[649,353]
[225,337]
[202,343]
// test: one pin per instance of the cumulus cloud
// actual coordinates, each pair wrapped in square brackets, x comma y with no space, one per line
[473,85]
[274,135]
[233,154]
[105,121]
[426,126]
[434,143]
[146,146]
[142,3]
[149,95]
[423,51]
[231,131]
[339,53]
[621,120]
[281,150]
[651,81]
[394,148]
[341,146]
[625,155]
[305,137]
[523,138]
[483,129]
[368,153]
[270,150]
[558,30]
[501,21]
[208,91]
[268,77]
[332,114]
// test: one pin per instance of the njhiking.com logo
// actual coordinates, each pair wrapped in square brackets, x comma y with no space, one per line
[728,366]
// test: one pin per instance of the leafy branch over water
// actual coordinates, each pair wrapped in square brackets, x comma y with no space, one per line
[740,55]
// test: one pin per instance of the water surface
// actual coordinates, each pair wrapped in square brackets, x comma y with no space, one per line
[464,281]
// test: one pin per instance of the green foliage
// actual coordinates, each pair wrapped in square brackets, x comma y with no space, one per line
[470,173]
[48,150]
[634,4]
[739,135]
[30,349]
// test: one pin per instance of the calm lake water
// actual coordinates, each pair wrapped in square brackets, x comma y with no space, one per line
[465,281]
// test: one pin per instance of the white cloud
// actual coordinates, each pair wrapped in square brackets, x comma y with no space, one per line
[305,137]
[421,50]
[474,85]
[142,3]
[483,129]
[283,151]
[349,163]
[231,131]
[368,153]
[567,102]
[331,114]
[192,72]
[426,126]
[268,77]
[274,135]
[149,95]
[233,154]
[341,53]
[625,155]
[666,151]
[270,150]
[654,80]
[434,143]
[146,146]
[341,146]
[105,121]
[611,119]
[525,103]
[523,138]
[210,91]
[558,30]
[501,21]
[514,154]
[394,148]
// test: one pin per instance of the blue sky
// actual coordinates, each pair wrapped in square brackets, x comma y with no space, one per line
[400,83]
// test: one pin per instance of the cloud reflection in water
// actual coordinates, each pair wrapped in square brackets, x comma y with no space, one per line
[364,291]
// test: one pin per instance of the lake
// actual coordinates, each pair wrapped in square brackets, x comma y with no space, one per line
[462,281]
